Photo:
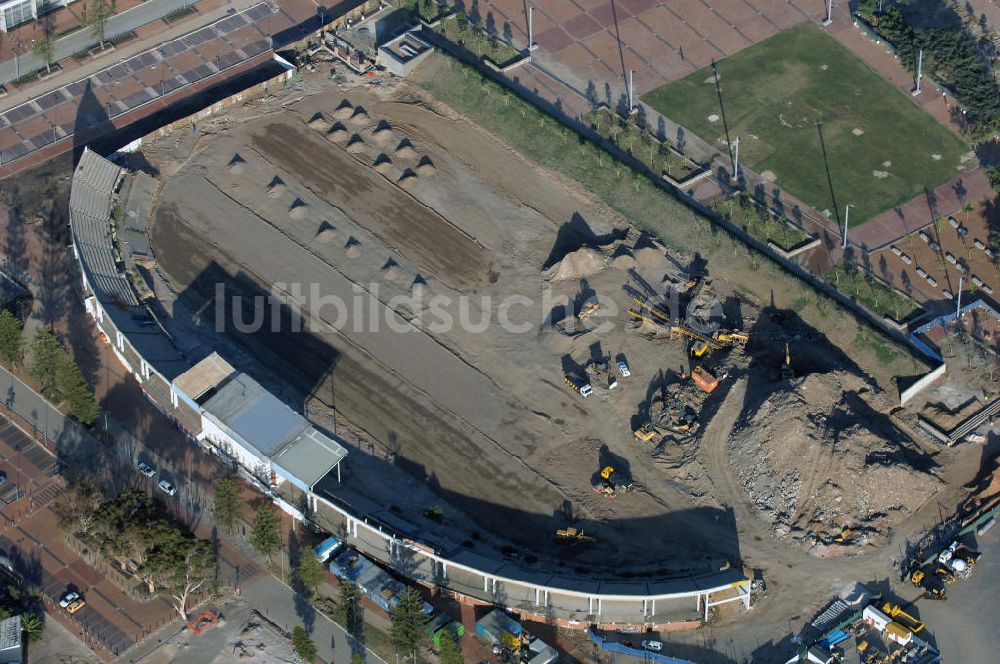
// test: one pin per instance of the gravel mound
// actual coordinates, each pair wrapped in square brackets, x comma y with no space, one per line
[580,263]
[817,457]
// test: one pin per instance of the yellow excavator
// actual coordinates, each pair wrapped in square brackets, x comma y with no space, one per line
[786,368]
[573,536]
[611,482]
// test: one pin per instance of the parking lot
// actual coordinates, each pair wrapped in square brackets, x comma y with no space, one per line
[112,621]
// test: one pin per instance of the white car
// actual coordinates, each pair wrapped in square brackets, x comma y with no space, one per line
[623,369]
[167,488]
[68,598]
[653,646]
[146,469]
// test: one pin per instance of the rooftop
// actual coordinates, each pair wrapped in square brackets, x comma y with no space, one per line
[309,457]
[10,634]
[257,416]
[204,376]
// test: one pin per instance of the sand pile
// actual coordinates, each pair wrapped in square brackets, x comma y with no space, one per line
[356,144]
[298,209]
[237,164]
[407,179]
[338,132]
[353,248]
[817,456]
[383,132]
[318,122]
[426,167]
[344,110]
[276,187]
[325,233]
[382,163]
[623,259]
[405,150]
[580,263]
[360,116]
[391,270]
[651,259]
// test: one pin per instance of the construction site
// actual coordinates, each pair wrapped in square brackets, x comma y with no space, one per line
[560,385]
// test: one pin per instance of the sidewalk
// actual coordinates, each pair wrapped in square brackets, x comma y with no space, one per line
[280,604]
[209,11]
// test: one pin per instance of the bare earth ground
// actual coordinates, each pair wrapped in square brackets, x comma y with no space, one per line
[484,417]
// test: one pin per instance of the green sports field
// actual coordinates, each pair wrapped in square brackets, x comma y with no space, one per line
[882,149]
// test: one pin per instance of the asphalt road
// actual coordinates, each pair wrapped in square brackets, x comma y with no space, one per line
[119,24]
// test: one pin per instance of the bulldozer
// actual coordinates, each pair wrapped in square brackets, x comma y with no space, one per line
[610,482]
[573,536]
[646,432]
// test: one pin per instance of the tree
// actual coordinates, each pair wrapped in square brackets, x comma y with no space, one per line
[303,644]
[11,338]
[44,49]
[408,621]
[179,567]
[264,537]
[448,650]
[993,175]
[96,14]
[33,627]
[227,503]
[349,612]
[46,354]
[77,505]
[74,389]
[310,571]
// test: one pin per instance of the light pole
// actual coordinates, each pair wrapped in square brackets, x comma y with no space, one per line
[531,33]
[847,215]
[736,162]
[920,68]
[631,94]
[829,13]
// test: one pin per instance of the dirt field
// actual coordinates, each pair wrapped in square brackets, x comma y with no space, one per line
[482,416]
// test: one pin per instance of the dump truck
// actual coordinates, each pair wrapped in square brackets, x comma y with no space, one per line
[930,583]
[897,613]
[573,536]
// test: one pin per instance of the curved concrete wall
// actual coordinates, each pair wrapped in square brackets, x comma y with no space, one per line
[149,354]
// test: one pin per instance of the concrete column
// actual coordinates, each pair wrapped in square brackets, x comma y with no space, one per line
[173,396]
[590,605]
[598,607]
[652,611]
[486,586]
[537,592]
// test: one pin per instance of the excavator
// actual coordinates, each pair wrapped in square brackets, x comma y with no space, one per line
[603,369]
[573,536]
[786,368]
[611,482]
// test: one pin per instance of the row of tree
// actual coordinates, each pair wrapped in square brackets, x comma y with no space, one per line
[951,56]
[51,364]
[137,533]
[96,14]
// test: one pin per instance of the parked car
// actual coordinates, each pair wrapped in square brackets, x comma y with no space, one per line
[653,646]
[76,605]
[623,368]
[68,598]
[146,469]
[167,488]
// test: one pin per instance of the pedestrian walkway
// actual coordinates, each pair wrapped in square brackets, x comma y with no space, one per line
[279,604]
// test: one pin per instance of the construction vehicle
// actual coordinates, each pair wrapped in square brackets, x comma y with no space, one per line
[704,380]
[732,338]
[957,561]
[573,536]
[602,369]
[582,387]
[646,432]
[588,310]
[786,368]
[610,482]
[932,586]
[897,613]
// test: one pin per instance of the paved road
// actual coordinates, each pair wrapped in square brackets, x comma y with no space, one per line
[277,602]
[119,24]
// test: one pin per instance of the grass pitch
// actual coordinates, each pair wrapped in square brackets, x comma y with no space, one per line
[882,149]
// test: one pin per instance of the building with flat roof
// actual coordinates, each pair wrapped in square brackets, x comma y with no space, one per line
[11,648]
